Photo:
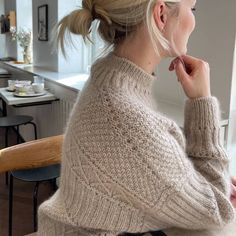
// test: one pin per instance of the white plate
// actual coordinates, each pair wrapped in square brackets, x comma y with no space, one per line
[26,95]
[10,90]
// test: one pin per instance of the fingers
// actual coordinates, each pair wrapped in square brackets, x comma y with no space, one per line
[194,75]
[189,59]
[192,63]
[185,59]
[181,72]
[173,64]
[233,201]
[233,180]
[178,65]
[233,190]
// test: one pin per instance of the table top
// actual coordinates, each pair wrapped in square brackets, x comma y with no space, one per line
[72,80]
[10,99]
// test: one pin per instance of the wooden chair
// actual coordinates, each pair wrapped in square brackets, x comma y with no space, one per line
[47,151]
[34,155]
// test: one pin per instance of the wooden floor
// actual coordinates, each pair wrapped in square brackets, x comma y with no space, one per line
[23,202]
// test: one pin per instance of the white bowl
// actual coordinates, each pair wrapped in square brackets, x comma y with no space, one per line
[22,88]
[38,87]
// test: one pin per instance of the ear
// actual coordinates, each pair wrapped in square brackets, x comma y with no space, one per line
[160,14]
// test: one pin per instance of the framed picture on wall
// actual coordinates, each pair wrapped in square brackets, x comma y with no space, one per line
[43,23]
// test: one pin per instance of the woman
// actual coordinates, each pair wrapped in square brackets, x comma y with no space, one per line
[126,167]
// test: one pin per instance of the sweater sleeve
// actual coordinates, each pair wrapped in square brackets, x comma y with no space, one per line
[157,173]
[202,131]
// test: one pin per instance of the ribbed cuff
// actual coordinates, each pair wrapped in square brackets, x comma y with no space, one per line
[202,113]
[202,128]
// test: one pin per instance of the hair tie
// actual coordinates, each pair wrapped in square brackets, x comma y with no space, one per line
[102,14]
[93,12]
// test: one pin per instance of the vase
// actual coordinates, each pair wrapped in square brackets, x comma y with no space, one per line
[27,55]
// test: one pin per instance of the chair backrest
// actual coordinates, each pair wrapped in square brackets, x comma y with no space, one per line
[33,154]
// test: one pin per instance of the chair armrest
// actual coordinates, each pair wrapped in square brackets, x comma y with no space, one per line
[33,154]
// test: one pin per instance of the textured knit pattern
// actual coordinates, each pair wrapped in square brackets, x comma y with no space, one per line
[128,168]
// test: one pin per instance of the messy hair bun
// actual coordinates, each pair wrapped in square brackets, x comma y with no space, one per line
[117,19]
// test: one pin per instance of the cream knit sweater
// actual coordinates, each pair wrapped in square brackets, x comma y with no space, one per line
[128,168]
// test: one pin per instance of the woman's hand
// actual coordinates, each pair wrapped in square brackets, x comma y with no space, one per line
[194,76]
[233,191]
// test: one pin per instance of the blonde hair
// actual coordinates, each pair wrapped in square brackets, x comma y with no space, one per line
[117,20]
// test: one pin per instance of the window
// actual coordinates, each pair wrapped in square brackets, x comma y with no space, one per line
[92,51]
[23,20]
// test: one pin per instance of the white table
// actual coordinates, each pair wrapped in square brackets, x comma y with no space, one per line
[8,98]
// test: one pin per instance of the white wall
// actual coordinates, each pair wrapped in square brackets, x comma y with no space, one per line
[2,36]
[43,52]
[213,40]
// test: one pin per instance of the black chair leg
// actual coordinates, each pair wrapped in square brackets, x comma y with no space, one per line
[35,200]
[10,207]
[54,185]
[6,145]
[18,134]
[6,136]
[35,130]
[6,178]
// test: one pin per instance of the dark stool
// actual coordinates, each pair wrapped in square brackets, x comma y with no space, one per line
[16,121]
[38,175]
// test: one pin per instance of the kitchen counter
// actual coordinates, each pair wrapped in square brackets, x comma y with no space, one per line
[74,81]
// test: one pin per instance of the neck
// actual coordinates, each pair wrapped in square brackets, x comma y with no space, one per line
[138,49]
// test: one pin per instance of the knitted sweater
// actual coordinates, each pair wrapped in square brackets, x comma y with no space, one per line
[128,168]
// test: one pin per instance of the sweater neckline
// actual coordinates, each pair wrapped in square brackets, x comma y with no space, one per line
[130,66]
[121,72]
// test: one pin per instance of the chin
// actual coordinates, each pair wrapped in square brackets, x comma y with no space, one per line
[182,51]
[174,54]
[185,51]
[178,52]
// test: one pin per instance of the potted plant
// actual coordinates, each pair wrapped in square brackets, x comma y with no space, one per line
[23,37]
